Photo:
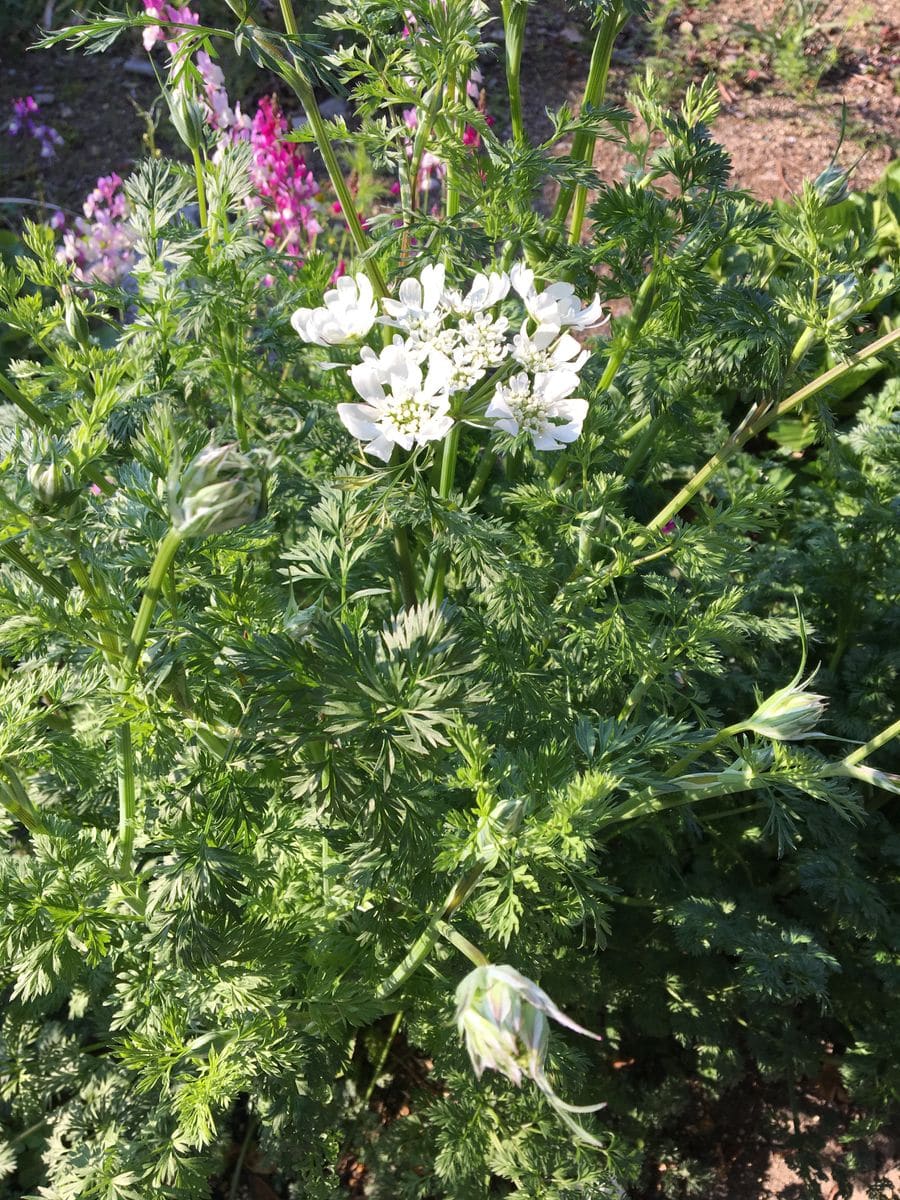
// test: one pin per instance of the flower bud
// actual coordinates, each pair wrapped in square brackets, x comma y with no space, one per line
[502,1017]
[75,321]
[220,489]
[53,484]
[844,298]
[788,714]
[831,185]
[187,115]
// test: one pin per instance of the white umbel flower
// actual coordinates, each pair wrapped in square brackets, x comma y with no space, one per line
[348,313]
[419,310]
[543,408]
[402,406]
[545,350]
[557,306]
[486,292]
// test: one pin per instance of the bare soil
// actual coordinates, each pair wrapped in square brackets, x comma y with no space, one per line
[777,133]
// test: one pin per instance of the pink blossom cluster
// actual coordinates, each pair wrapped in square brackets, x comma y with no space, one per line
[286,200]
[101,245]
[166,14]
[286,188]
[23,120]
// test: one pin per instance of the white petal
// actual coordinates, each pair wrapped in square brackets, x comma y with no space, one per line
[522,279]
[592,315]
[573,410]
[301,320]
[382,447]
[366,292]
[546,441]
[358,419]
[433,278]
[365,378]
[410,294]
[555,385]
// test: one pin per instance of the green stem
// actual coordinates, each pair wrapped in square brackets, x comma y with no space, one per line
[124,746]
[515,14]
[378,1067]
[127,795]
[152,591]
[482,475]
[758,419]
[472,953]
[448,475]
[241,1158]
[51,586]
[452,185]
[201,188]
[425,943]
[636,457]
[21,401]
[307,97]
[873,744]
[236,390]
[17,802]
[638,427]
[703,748]
[99,610]
[584,142]
[408,585]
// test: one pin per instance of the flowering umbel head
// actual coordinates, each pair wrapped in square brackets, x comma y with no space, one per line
[220,489]
[502,1017]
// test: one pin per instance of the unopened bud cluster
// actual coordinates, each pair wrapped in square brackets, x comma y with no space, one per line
[218,490]
[502,1018]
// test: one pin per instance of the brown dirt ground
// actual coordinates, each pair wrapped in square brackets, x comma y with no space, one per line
[777,135]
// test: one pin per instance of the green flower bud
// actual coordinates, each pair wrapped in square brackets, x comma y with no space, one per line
[502,1017]
[831,186]
[788,714]
[52,483]
[844,298]
[187,115]
[75,321]
[220,489]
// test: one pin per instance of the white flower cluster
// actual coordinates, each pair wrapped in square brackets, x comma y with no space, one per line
[445,345]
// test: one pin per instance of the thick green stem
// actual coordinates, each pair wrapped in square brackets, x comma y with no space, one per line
[873,744]
[472,953]
[307,97]
[51,586]
[127,795]
[124,745]
[408,586]
[12,393]
[445,487]
[236,388]
[515,13]
[17,802]
[452,181]
[584,142]
[424,944]
[481,476]
[758,419]
[153,590]
[201,188]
